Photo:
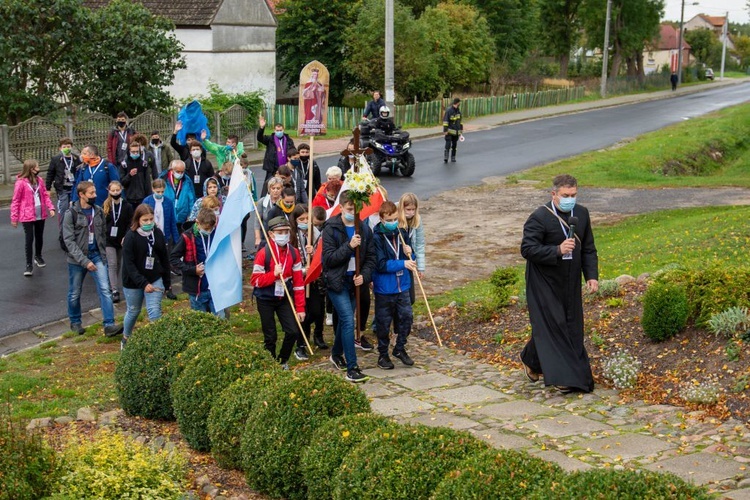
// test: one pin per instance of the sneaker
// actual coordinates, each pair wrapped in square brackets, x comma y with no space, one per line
[115,297]
[29,270]
[385,362]
[405,359]
[77,328]
[355,375]
[338,361]
[170,295]
[363,343]
[329,319]
[301,354]
[39,261]
[112,330]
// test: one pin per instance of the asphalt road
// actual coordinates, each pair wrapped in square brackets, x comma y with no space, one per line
[29,302]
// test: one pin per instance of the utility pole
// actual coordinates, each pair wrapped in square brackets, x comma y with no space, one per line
[679,45]
[390,94]
[725,31]
[605,51]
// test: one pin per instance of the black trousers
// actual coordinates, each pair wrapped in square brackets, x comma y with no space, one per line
[314,314]
[363,309]
[451,141]
[283,311]
[34,232]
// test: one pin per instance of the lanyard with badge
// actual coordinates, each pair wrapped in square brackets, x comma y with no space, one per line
[37,197]
[569,255]
[196,176]
[176,188]
[396,250]
[124,137]
[69,178]
[91,174]
[90,219]
[279,283]
[150,239]
[115,217]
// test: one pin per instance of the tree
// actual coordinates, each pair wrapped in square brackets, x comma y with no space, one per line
[703,43]
[461,40]
[742,48]
[310,31]
[129,56]
[561,29]
[419,6]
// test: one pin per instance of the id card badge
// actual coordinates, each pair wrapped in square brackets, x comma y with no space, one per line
[149,263]
[196,179]
[568,256]
[400,273]
[352,266]
[124,146]
[37,200]
[113,232]
[278,290]
[91,238]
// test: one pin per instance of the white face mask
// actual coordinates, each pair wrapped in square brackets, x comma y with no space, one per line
[281,239]
[196,153]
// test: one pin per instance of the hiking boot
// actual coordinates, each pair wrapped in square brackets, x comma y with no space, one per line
[453,158]
[385,362]
[112,330]
[338,361]
[405,359]
[301,354]
[29,270]
[363,343]
[319,342]
[39,261]
[77,328]
[355,375]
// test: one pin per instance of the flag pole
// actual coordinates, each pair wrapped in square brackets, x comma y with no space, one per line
[286,291]
[310,164]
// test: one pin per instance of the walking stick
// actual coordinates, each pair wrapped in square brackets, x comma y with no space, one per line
[286,291]
[419,280]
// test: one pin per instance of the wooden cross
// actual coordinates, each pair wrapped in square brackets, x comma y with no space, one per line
[356,151]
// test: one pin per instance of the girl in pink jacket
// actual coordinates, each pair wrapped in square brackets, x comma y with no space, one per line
[31,205]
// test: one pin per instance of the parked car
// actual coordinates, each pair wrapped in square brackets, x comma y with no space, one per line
[709,74]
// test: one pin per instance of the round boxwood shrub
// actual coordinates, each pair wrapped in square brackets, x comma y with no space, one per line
[608,483]
[665,310]
[332,442]
[278,430]
[142,374]
[501,474]
[215,364]
[410,463]
[229,413]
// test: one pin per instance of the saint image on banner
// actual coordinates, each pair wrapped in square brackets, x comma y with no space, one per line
[313,100]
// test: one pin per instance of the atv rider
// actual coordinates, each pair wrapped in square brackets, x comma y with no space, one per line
[384,122]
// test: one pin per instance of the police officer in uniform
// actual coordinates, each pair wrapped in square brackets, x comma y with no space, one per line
[452,129]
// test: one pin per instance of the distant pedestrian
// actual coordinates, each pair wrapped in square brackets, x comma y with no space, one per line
[137,172]
[145,269]
[673,80]
[164,218]
[179,190]
[119,139]
[452,129]
[118,214]
[410,220]
[61,174]
[163,154]
[30,206]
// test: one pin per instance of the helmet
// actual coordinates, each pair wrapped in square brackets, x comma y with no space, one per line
[384,112]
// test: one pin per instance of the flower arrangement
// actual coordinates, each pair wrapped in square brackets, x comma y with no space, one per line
[362,184]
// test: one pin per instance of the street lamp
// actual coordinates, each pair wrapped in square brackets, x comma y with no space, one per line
[679,43]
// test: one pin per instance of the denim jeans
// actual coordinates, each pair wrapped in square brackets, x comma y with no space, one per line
[114,264]
[345,307]
[63,204]
[394,308]
[204,302]
[76,274]
[134,299]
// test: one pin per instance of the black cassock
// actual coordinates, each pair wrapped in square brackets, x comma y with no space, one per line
[553,293]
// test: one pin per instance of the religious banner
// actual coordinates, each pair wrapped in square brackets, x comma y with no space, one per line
[313,100]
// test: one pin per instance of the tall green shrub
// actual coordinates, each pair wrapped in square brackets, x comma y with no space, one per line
[665,310]
[503,281]
[279,429]
[217,363]
[143,375]
[716,289]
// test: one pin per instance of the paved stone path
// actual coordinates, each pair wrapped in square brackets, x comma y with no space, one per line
[577,431]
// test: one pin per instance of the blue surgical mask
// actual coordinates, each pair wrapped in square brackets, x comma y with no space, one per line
[158,196]
[204,232]
[279,134]
[391,225]
[178,176]
[348,217]
[295,163]
[302,226]
[135,156]
[567,204]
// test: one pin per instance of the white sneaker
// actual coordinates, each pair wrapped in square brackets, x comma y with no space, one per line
[329,319]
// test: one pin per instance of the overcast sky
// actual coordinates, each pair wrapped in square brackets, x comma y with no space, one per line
[737,9]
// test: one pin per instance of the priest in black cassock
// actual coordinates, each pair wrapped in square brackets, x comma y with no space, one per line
[555,258]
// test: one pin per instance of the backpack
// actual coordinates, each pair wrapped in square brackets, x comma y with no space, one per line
[63,246]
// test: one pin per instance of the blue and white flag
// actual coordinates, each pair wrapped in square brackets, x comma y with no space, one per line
[224,261]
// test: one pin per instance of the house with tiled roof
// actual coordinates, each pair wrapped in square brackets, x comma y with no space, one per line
[713,23]
[229,42]
[663,50]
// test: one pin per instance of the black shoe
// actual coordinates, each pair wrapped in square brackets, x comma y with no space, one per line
[453,159]
[363,343]
[112,330]
[385,362]
[445,157]
[115,297]
[338,361]
[77,328]
[29,270]
[319,342]
[301,354]
[405,359]
[355,375]
[39,261]
[170,295]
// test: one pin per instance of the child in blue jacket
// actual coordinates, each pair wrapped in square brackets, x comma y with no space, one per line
[391,284]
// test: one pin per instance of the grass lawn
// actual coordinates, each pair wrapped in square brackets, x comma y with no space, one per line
[715,148]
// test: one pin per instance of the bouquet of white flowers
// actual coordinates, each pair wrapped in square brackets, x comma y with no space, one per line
[361,185]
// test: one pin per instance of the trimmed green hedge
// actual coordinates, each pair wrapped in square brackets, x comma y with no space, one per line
[212,365]
[142,374]
[500,474]
[665,310]
[332,442]
[410,463]
[229,413]
[608,483]
[279,429]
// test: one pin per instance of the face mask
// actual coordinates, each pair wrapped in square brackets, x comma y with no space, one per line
[204,232]
[281,239]
[391,225]
[66,151]
[115,196]
[178,176]
[147,227]
[135,156]
[295,163]
[304,157]
[158,196]
[348,217]
[279,134]
[288,205]
[92,161]
[121,124]
[196,153]
[567,204]
[155,142]
[302,226]
[91,200]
